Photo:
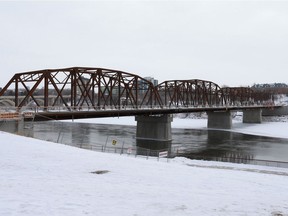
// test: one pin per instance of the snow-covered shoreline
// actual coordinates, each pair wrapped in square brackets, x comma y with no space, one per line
[43,178]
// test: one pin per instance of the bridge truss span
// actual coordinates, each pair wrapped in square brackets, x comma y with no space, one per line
[246,96]
[78,91]
[92,88]
[191,93]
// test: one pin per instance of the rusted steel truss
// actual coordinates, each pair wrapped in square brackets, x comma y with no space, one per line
[79,87]
[188,93]
[236,96]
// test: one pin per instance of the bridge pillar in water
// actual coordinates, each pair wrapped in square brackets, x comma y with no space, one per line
[219,120]
[252,116]
[153,133]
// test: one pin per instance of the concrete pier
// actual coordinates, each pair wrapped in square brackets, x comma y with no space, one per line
[153,133]
[219,120]
[154,127]
[252,116]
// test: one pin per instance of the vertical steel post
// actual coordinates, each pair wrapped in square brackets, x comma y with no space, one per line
[46,90]
[16,91]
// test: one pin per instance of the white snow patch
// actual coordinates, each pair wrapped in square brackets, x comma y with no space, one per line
[43,178]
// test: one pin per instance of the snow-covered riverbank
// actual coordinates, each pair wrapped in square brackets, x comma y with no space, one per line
[42,178]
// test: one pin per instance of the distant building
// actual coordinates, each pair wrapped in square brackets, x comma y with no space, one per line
[151,79]
[143,85]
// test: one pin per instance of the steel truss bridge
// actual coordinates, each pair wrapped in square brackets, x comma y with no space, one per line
[84,92]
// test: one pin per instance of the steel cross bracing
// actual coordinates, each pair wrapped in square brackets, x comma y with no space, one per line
[92,88]
[189,93]
[84,88]
[241,96]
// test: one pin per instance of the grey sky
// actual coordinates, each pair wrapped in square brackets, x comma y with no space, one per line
[234,43]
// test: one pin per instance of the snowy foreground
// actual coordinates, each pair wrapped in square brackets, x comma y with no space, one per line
[43,178]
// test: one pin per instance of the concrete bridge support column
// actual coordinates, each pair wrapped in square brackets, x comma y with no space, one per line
[219,120]
[154,127]
[252,116]
[153,133]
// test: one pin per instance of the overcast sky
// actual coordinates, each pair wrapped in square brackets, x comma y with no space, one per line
[234,43]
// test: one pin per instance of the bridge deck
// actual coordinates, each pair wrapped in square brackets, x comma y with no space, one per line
[48,115]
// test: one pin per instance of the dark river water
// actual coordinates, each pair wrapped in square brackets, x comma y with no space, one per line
[191,143]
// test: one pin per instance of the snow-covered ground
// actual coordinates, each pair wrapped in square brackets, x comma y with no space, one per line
[43,178]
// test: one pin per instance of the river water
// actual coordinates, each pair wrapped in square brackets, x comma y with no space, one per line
[191,143]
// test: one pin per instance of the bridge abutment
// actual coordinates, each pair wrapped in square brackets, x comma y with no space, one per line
[219,120]
[252,116]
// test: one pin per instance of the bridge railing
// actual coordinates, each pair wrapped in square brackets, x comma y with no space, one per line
[238,160]
[96,108]
[179,152]
[83,108]
[9,115]
[30,111]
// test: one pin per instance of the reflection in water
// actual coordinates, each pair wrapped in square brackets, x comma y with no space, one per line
[12,126]
[241,148]
[84,134]
[152,147]
[223,146]
[218,145]
[206,144]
